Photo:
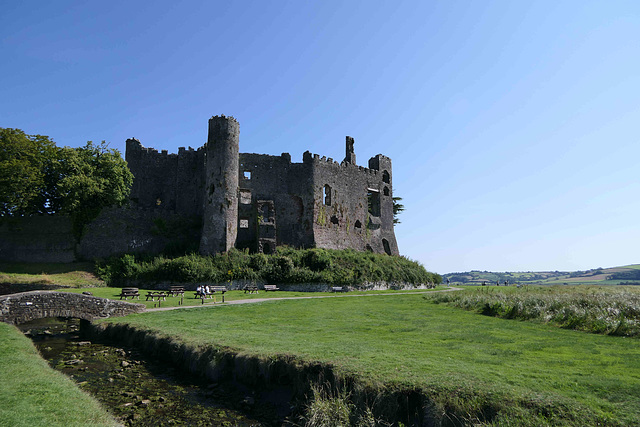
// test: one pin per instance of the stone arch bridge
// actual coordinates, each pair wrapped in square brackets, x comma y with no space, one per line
[26,306]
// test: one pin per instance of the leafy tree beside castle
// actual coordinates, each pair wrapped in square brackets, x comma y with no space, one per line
[37,177]
[397,208]
[26,170]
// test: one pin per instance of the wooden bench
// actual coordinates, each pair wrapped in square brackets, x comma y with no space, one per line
[268,288]
[176,291]
[158,295]
[129,292]
[338,289]
[252,289]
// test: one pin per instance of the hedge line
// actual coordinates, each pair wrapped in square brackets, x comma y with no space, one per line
[287,265]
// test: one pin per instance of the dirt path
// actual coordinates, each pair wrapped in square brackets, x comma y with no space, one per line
[256,300]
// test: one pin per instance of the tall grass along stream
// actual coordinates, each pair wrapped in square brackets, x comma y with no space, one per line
[602,310]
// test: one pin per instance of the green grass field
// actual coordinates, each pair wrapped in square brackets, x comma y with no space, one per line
[33,394]
[189,300]
[527,373]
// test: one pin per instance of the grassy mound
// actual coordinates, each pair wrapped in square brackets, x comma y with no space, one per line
[287,265]
[23,277]
[33,394]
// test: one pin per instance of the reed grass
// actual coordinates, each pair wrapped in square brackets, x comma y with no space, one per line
[602,310]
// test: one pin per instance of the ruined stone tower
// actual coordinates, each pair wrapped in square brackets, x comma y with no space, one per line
[220,214]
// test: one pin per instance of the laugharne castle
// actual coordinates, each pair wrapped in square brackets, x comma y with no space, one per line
[214,198]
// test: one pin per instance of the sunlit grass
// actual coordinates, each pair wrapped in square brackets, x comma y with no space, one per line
[528,373]
[80,274]
[190,300]
[33,394]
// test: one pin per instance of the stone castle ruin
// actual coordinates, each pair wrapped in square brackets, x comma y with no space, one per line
[215,198]
[258,201]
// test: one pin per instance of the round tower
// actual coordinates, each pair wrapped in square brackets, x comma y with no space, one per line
[220,213]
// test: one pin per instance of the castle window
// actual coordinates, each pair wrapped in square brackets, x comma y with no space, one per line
[245,197]
[334,220]
[386,177]
[373,200]
[358,224]
[327,195]
[385,244]
[244,223]
[246,174]
[386,191]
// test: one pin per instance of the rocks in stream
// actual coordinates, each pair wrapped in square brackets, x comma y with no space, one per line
[143,402]
[121,380]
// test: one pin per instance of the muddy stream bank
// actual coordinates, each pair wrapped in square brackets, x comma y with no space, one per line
[142,391]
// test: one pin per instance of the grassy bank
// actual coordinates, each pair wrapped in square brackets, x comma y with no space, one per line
[287,265]
[474,369]
[33,394]
[596,309]
[43,275]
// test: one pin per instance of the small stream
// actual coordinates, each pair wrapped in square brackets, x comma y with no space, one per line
[142,392]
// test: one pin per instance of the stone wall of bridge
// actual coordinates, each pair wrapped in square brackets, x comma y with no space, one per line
[26,306]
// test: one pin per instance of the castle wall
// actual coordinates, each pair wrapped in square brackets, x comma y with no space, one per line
[43,238]
[288,186]
[342,217]
[166,181]
[136,230]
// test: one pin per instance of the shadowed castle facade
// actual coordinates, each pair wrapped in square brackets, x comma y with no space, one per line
[259,202]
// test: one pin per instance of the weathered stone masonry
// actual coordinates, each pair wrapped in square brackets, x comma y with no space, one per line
[24,307]
[259,201]
[214,198]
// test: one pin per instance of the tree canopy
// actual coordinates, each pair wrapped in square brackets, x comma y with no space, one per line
[37,177]
[26,169]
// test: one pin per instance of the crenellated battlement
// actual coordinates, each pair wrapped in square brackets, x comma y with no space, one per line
[308,157]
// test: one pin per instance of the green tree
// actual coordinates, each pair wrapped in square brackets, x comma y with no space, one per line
[27,172]
[397,208]
[91,178]
[38,177]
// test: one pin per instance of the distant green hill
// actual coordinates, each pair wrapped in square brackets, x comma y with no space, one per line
[625,275]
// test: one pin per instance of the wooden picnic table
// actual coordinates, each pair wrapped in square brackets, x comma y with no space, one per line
[252,289]
[158,295]
[129,292]
[176,291]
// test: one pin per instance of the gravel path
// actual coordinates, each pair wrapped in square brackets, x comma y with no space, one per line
[256,300]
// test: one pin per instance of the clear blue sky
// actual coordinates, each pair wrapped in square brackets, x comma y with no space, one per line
[512,125]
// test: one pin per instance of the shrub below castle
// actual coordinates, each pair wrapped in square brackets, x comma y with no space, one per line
[287,265]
